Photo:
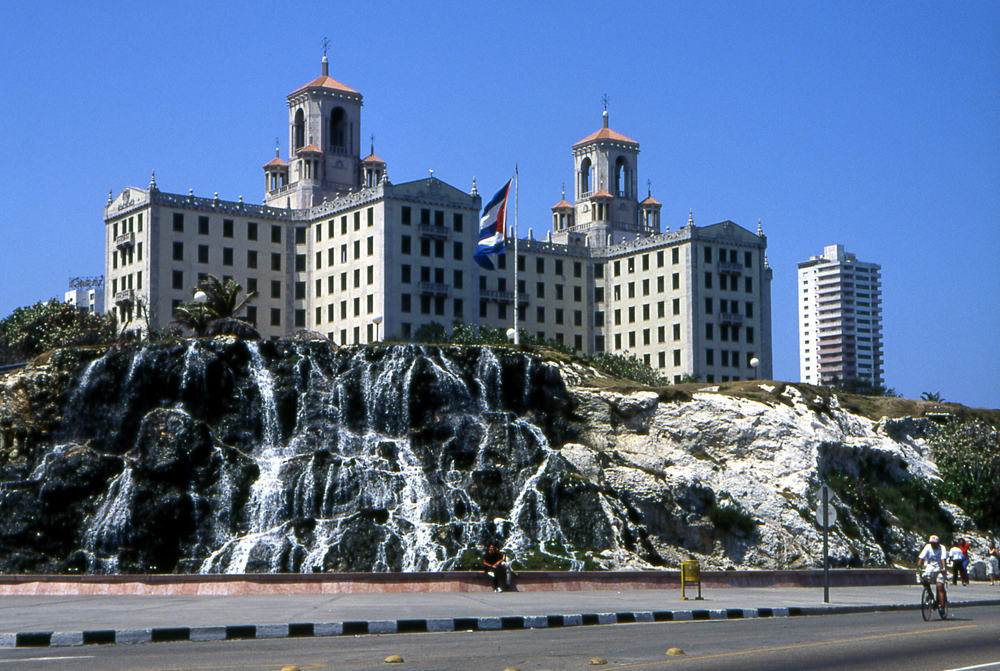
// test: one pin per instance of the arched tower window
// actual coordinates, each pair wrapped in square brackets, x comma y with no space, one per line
[621,177]
[300,130]
[586,177]
[338,129]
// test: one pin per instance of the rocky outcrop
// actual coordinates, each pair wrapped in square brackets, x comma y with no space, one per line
[221,455]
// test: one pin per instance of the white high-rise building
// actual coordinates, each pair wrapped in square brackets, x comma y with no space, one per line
[840,318]
[339,249]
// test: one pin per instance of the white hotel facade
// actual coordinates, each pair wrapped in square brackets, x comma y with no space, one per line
[840,318]
[337,245]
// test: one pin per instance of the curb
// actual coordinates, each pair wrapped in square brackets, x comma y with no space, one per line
[51,639]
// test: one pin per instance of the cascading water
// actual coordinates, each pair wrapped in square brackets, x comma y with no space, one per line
[386,458]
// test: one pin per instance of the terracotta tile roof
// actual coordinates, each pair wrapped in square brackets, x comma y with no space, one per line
[650,201]
[373,159]
[601,194]
[309,149]
[324,82]
[276,162]
[606,134]
[562,204]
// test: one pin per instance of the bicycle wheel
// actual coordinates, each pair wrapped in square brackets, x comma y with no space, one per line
[927,603]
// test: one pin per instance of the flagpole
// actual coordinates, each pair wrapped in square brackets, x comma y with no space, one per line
[517,336]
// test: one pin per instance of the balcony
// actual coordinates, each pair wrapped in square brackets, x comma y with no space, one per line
[433,289]
[726,318]
[125,240]
[502,296]
[431,231]
[731,268]
[124,297]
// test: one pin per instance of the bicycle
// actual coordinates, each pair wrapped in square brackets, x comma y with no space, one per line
[928,602]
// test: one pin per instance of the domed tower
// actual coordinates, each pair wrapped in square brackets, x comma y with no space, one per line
[324,137]
[606,203]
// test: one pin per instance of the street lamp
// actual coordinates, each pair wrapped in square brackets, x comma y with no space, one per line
[377,320]
[754,363]
[200,297]
[511,335]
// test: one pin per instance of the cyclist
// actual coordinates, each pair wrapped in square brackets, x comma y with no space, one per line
[934,559]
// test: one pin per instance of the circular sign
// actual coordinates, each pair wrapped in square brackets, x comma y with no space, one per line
[831,515]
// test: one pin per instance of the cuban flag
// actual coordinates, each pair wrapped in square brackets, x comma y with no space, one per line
[493,229]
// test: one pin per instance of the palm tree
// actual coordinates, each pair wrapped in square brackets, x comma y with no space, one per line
[932,397]
[216,314]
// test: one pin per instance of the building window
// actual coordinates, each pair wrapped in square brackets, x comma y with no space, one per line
[457,222]
[598,294]
[725,357]
[540,314]
[405,303]
[357,220]
[357,307]
[559,316]
[708,279]
[710,357]
[357,278]
[708,254]
[405,274]
[300,291]
[599,271]
[677,306]
[677,357]
[178,250]
[748,259]
[425,247]
[540,290]
[319,288]
[747,285]
[300,236]
[406,215]
[708,306]
[675,281]
[275,261]
[177,278]
[456,250]
[749,332]
[300,262]
[677,332]
[300,318]
[251,258]
[675,255]
[631,339]
[275,288]
[709,331]
[251,285]
[275,316]
[458,279]
[631,314]
[178,222]
[202,225]
[251,230]
[370,214]
[618,317]
[276,234]
[227,256]
[252,314]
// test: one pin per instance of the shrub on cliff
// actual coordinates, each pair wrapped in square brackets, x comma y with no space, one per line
[29,331]
[968,458]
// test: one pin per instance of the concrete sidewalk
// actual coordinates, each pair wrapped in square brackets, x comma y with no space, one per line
[77,620]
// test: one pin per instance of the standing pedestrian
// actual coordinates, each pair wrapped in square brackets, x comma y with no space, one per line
[993,562]
[964,545]
[955,561]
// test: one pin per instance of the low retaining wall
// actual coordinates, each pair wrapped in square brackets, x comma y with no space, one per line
[452,581]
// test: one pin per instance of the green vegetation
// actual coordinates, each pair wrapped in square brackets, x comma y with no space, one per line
[932,397]
[968,458]
[731,517]
[29,331]
[217,314]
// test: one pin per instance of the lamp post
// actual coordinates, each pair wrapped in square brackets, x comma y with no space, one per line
[377,320]
[511,334]
[754,363]
[200,297]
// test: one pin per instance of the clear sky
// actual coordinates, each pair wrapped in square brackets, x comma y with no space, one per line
[875,125]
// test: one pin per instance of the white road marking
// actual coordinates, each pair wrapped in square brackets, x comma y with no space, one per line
[977,666]
[44,659]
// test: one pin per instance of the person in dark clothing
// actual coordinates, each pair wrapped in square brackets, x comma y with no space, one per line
[495,566]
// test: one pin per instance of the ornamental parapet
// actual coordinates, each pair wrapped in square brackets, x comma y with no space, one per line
[124,297]
[125,240]
[431,231]
[191,202]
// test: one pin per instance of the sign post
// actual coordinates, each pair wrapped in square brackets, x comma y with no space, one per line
[826,515]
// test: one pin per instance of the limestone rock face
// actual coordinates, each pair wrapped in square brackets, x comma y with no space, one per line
[221,455]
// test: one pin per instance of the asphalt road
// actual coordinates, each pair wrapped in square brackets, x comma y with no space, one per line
[970,639]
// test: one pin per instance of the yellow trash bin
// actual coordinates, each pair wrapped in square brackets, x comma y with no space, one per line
[690,574]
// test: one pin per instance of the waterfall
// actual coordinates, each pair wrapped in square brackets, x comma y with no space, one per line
[109,528]
[265,388]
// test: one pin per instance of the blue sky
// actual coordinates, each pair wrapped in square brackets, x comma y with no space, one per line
[872,125]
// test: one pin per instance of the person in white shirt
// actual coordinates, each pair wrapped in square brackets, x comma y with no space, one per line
[956,557]
[934,559]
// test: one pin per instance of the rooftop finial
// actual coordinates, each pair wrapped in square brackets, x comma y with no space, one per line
[649,188]
[564,191]
[372,138]
[326,63]
[605,100]
[110,197]
[760,229]
[475,191]
[152,181]
[691,217]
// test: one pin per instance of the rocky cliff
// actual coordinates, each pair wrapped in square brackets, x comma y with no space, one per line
[230,456]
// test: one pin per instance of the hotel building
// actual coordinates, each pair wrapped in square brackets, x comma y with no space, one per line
[339,249]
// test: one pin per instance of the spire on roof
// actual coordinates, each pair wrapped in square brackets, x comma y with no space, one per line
[760,229]
[564,191]
[691,217]
[277,148]
[152,181]
[372,138]
[475,191]
[649,188]
[326,63]
[110,197]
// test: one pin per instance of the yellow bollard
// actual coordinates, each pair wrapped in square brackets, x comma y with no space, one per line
[690,572]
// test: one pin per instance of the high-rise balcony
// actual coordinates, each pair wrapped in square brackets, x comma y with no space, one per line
[502,296]
[433,289]
[431,231]
[729,318]
[731,268]
[124,297]
[125,240]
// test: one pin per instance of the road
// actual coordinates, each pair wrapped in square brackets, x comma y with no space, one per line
[865,642]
